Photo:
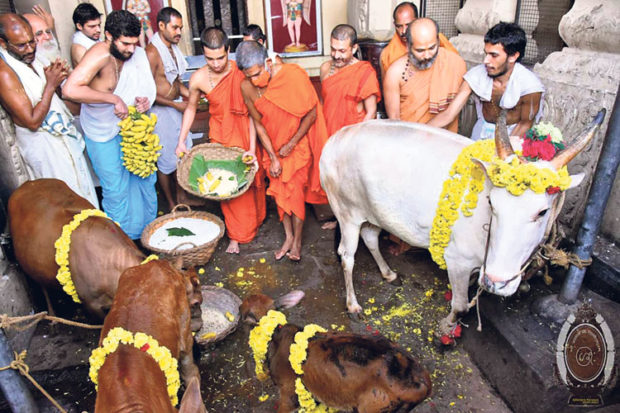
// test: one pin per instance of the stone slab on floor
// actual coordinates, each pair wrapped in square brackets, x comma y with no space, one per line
[516,352]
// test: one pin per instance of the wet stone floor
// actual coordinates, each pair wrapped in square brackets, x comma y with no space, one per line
[407,314]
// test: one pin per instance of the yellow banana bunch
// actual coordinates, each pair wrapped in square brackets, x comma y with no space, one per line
[139,145]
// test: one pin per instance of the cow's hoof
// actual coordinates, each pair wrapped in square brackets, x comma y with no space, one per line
[357,317]
[396,282]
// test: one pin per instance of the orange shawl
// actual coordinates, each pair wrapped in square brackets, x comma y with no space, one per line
[428,92]
[395,49]
[229,125]
[343,91]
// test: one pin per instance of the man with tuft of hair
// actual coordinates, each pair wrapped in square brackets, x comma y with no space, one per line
[112,75]
[229,124]
[290,124]
[47,140]
[501,82]
[254,32]
[168,65]
[422,83]
[404,14]
[87,21]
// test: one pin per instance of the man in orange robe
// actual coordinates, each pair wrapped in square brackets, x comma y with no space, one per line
[404,14]
[230,125]
[290,125]
[350,88]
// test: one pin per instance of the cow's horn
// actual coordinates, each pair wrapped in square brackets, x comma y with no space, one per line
[502,142]
[564,156]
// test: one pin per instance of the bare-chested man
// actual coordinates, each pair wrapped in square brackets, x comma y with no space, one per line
[229,124]
[87,21]
[46,138]
[501,82]
[168,65]
[112,75]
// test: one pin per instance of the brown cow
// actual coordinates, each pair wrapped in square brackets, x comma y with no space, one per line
[152,299]
[99,253]
[343,370]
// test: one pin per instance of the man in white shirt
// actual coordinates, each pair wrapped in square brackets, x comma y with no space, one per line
[87,20]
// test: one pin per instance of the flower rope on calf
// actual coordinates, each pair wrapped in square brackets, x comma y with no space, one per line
[260,336]
[144,343]
[63,245]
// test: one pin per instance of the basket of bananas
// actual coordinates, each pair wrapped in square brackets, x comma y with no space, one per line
[216,172]
[139,145]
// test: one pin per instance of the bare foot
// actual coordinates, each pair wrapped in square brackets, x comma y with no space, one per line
[233,247]
[330,225]
[295,253]
[288,243]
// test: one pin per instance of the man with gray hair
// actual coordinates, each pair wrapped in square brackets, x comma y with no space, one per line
[290,124]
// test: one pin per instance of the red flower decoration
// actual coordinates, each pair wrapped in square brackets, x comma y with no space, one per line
[448,295]
[539,149]
[145,347]
[368,328]
[553,190]
[446,340]
[375,333]
[456,332]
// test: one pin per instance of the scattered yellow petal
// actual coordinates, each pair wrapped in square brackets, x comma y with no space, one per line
[460,396]
[368,311]
[160,213]
[208,336]
[334,326]
[219,285]
[263,397]
[452,404]
[417,331]
[262,260]
[201,271]
[371,300]
[230,317]
[429,293]
[217,269]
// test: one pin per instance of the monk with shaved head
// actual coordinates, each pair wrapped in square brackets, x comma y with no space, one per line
[45,135]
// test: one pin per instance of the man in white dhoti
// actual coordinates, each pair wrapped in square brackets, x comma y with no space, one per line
[87,21]
[111,76]
[501,82]
[168,65]
[46,137]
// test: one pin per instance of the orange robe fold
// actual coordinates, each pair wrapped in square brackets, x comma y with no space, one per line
[229,124]
[428,92]
[288,98]
[344,90]
[396,49]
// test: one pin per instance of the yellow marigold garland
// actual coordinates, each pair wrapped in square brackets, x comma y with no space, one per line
[466,181]
[150,258]
[145,343]
[297,355]
[260,336]
[63,245]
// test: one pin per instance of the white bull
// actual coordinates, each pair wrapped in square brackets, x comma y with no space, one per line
[389,175]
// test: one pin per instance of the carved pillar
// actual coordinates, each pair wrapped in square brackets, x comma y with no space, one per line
[580,80]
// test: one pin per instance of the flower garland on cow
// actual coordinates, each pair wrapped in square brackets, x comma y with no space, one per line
[261,335]
[466,181]
[144,343]
[63,245]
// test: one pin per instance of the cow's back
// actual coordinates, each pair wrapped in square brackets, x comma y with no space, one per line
[37,212]
[389,173]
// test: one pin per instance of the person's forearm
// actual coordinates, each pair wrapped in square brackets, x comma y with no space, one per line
[521,128]
[252,136]
[41,109]
[442,119]
[264,139]
[307,121]
[370,106]
[164,101]
[188,119]
[85,94]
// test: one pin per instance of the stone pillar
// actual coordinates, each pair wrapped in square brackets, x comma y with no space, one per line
[474,20]
[579,81]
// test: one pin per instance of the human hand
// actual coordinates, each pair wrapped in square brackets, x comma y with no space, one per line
[275,169]
[180,106]
[120,108]
[286,150]
[45,15]
[142,104]
[181,149]
[55,73]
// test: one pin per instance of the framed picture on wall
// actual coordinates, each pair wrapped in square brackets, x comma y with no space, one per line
[145,10]
[294,27]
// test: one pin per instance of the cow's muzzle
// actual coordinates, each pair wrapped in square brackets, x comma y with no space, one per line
[503,288]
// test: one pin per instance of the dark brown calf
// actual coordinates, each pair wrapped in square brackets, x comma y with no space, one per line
[343,370]
[152,299]
[99,252]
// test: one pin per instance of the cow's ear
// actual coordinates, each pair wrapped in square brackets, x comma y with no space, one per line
[192,400]
[289,300]
[576,180]
[483,165]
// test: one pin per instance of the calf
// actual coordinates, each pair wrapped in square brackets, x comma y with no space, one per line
[342,370]
[152,299]
[99,253]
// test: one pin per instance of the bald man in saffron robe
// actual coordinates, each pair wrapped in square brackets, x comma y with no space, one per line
[290,125]
[229,125]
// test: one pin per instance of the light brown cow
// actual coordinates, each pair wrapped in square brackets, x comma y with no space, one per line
[99,253]
[342,370]
[154,299]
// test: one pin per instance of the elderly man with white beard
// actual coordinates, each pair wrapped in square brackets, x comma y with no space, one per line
[47,45]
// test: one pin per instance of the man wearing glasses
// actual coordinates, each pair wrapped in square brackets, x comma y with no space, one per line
[45,135]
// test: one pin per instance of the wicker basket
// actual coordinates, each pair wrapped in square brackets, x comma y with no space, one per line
[220,300]
[198,255]
[212,151]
